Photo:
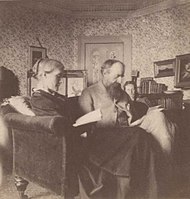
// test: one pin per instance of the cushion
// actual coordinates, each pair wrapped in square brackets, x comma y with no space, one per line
[20,103]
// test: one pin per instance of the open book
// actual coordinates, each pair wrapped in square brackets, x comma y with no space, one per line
[96,115]
[150,109]
[90,117]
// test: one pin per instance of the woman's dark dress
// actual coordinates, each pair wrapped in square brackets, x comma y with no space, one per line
[42,104]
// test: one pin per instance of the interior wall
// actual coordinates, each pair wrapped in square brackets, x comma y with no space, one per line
[19,28]
[157,36]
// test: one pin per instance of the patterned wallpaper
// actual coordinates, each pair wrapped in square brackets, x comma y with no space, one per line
[158,36]
[155,37]
[19,28]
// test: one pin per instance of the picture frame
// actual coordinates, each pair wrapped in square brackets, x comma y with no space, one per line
[74,81]
[95,50]
[182,72]
[35,53]
[164,68]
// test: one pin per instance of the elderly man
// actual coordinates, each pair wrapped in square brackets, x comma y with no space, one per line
[124,152]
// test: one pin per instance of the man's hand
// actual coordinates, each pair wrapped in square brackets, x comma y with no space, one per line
[137,122]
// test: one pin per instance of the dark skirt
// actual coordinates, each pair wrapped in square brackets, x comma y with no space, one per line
[114,150]
[121,152]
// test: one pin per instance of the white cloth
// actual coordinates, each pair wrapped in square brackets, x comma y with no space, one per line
[163,130]
[20,104]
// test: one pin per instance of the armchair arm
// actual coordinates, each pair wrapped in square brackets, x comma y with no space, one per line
[39,154]
[52,124]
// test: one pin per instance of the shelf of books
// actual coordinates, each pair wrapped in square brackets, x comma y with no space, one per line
[149,86]
[157,94]
[167,101]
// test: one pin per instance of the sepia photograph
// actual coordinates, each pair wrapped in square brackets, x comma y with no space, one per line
[94,99]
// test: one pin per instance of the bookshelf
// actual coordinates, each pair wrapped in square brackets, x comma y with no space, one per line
[168,101]
[150,86]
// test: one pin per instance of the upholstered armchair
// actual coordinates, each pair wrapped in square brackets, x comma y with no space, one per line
[43,153]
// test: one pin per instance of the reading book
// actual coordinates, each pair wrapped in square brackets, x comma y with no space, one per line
[96,115]
[150,109]
[90,117]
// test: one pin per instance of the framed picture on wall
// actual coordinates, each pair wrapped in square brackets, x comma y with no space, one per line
[182,73]
[35,53]
[94,51]
[164,68]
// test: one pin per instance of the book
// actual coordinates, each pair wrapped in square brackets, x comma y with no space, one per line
[90,117]
[146,79]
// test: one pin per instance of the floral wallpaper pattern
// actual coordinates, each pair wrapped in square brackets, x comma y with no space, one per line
[157,36]
[19,29]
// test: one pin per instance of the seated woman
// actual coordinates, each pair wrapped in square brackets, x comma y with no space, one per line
[45,100]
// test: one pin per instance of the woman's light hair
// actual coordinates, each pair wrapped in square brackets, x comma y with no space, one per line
[45,66]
